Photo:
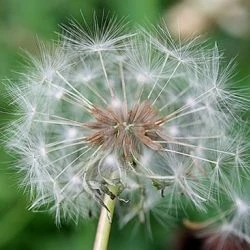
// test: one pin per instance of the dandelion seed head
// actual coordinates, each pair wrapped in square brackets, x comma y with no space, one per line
[134,109]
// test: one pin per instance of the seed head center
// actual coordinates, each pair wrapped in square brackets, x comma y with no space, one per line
[126,132]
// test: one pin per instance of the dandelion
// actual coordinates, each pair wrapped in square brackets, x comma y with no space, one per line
[107,117]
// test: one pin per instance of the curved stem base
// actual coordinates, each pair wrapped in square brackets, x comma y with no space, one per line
[105,221]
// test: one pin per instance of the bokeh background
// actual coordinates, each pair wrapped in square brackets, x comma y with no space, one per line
[21,22]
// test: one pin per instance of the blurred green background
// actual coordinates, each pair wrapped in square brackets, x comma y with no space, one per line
[21,22]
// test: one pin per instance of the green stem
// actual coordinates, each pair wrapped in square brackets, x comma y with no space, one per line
[105,221]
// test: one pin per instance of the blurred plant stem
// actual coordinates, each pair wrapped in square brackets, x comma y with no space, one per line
[105,220]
